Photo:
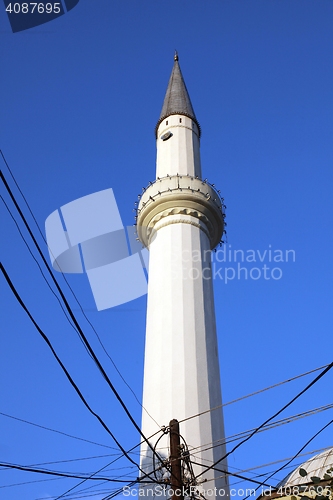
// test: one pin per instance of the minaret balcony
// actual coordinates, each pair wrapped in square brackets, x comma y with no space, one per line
[184,196]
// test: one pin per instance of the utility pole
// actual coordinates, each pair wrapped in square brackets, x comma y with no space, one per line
[176,480]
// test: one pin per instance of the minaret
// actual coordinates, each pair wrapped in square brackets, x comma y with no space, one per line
[180,220]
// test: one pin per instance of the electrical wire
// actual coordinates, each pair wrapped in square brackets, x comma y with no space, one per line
[40,269]
[267,427]
[201,465]
[253,393]
[70,288]
[240,471]
[129,485]
[91,351]
[272,425]
[116,459]
[84,493]
[46,339]
[266,473]
[233,474]
[165,431]
[30,482]
[73,437]
[186,458]
[296,454]
[264,483]
[58,432]
[81,482]
[57,473]
[255,431]
[119,491]
[88,491]
[90,477]
[115,471]
[62,461]
[284,459]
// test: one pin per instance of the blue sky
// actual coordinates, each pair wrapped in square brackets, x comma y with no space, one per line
[80,97]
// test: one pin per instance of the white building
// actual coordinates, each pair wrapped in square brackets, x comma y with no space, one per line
[180,219]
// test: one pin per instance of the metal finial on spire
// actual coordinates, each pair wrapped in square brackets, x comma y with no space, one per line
[176,56]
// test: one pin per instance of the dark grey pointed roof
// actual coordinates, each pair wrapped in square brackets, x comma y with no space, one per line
[177,100]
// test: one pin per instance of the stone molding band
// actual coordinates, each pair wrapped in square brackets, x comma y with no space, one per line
[169,217]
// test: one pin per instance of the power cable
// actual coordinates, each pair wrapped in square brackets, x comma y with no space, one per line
[100,367]
[62,461]
[83,493]
[72,291]
[30,482]
[314,381]
[241,471]
[282,460]
[73,437]
[155,446]
[187,464]
[239,476]
[115,471]
[256,430]
[201,465]
[81,482]
[115,460]
[119,491]
[296,454]
[267,427]
[88,492]
[45,338]
[254,393]
[273,425]
[56,473]
[40,269]
[58,432]
[266,473]
[88,478]
[263,483]
[129,485]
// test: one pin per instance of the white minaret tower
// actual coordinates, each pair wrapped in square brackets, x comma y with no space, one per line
[180,220]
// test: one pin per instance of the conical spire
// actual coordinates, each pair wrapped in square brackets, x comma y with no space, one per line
[177,100]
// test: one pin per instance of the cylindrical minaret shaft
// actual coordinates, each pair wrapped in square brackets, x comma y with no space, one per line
[180,219]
